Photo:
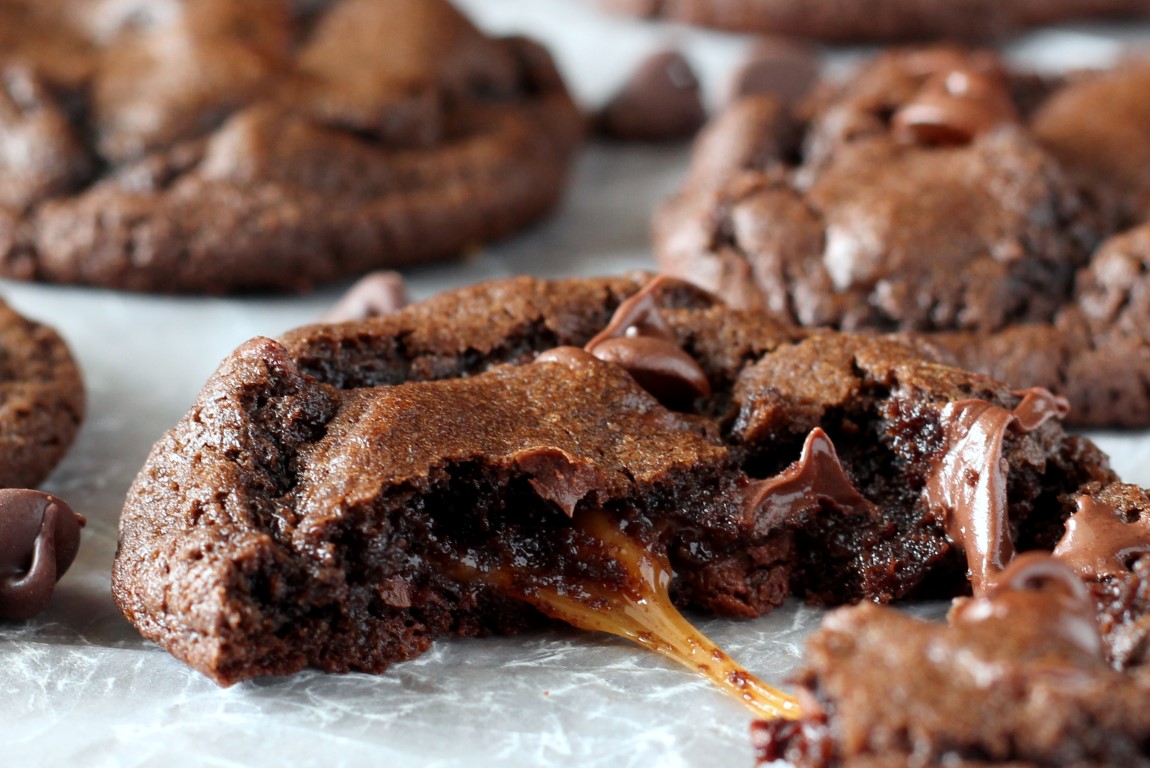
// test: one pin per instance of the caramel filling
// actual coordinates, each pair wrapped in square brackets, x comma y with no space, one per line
[639,609]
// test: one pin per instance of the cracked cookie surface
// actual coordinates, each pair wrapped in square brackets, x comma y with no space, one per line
[210,146]
[933,192]
[330,496]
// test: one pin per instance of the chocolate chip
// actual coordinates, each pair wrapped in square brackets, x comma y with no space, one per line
[777,68]
[661,101]
[658,366]
[953,107]
[380,293]
[39,537]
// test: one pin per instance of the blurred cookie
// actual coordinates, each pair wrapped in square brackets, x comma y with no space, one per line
[917,196]
[214,146]
[843,21]
[41,400]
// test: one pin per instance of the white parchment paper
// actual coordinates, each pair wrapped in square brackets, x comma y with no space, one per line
[79,687]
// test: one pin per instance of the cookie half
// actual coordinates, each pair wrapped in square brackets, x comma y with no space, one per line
[212,146]
[342,496]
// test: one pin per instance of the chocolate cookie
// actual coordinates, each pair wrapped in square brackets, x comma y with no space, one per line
[1047,665]
[41,400]
[916,196]
[342,496]
[213,146]
[842,21]
[1018,678]
[1097,129]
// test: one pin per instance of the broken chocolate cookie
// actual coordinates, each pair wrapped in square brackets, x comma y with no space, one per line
[350,492]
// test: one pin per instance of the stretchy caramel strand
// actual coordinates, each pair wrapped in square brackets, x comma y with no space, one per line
[641,611]
[967,486]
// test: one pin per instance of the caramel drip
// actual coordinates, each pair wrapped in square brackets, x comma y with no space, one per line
[639,610]
[817,478]
[967,487]
[1098,543]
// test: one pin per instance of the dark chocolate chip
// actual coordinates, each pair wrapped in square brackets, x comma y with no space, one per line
[954,107]
[777,68]
[39,537]
[661,101]
[380,293]
[659,366]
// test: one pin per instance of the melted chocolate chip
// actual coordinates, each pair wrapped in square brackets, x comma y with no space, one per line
[558,478]
[1099,543]
[816,479]
[637,316]
[1042,592]
[659,366]
[639,340]
[954,107]
[39,537]
[380,293]
[661,101]
[967,486]
[778,68]
[1039,406]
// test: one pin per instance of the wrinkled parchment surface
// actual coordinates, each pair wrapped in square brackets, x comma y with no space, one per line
[79,687]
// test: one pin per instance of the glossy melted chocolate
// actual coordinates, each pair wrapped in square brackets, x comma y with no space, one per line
[967,486]
[817,478]
[1099,543]
[39,538]
[954,106]
[1037,589]
[639,340]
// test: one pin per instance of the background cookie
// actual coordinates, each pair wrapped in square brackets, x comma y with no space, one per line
[916,197]
[217,146]
[846,21]
[41,400]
